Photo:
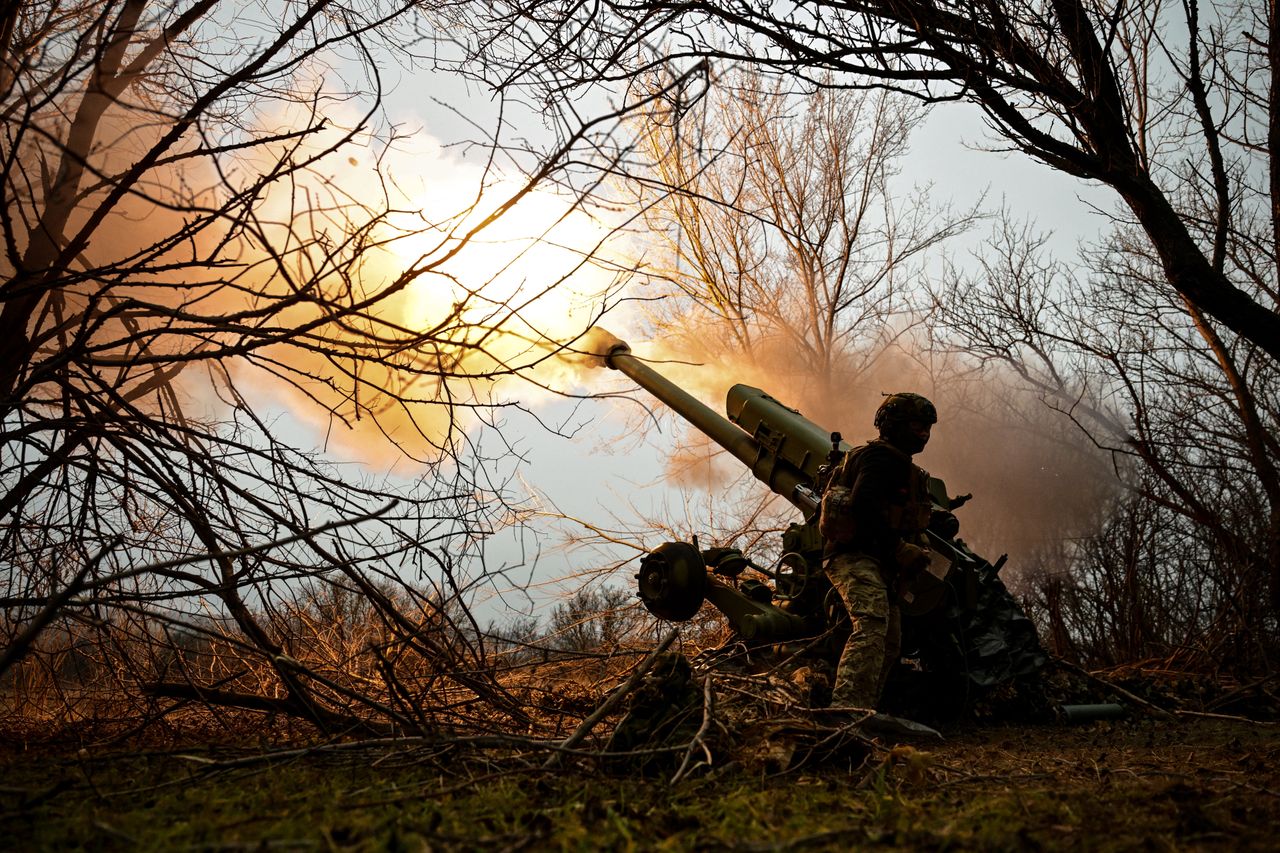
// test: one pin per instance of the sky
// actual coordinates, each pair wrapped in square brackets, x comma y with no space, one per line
[607,460]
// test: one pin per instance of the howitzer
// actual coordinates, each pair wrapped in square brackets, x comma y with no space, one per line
[960,624]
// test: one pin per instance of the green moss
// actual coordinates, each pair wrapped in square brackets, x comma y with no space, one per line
[1034,791]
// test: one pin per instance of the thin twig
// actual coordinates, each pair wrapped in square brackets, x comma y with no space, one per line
[698,738]
[613,699]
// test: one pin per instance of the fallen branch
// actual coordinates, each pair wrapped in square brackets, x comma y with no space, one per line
[253,702]
[613,699]
[698,738]
[1152,709]
[407,745]
[1206,715]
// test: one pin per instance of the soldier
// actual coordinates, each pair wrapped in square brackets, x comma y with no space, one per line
[874,510]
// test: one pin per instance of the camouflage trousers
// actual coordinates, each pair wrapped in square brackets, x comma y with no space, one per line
[875,643]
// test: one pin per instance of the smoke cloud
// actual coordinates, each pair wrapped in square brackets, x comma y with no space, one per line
[509,299]
[454,308]
[1037,483]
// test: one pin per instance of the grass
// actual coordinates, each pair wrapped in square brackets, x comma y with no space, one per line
[1139,785]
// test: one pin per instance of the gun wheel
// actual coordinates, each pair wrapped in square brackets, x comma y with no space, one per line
[673,581]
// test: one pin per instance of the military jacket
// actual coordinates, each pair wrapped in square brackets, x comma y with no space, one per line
[886,502]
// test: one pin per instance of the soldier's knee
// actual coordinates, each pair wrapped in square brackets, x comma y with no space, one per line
[864,617]
[870,611]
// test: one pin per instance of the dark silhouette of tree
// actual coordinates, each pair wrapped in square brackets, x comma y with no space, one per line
[1189,561]
[198,225]
[1171,106]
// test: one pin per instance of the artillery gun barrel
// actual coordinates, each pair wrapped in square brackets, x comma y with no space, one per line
[779,476]
[980,639]
[760,453]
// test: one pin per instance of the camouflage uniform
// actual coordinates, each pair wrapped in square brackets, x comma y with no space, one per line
[875,505]
[876,639]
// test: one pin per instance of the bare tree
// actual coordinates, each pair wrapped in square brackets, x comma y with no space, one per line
[594,620]
[200,210]
[1188,418]
[1173,107]
[783,232]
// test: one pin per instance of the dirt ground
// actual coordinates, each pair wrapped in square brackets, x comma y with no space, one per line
[1192,783]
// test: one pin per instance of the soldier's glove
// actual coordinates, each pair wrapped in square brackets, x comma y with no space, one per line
[911,559]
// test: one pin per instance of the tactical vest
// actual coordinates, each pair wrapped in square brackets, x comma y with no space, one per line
[907,515]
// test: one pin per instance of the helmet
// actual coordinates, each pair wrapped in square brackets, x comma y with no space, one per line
[900,408]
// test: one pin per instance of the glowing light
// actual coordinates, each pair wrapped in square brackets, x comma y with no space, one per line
[499,300]
[537,271]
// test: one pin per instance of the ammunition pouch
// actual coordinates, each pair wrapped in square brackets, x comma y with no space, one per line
[835,515]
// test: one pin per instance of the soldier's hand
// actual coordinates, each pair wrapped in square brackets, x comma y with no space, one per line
[911,559]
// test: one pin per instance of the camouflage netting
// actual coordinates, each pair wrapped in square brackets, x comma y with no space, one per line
[978,647]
